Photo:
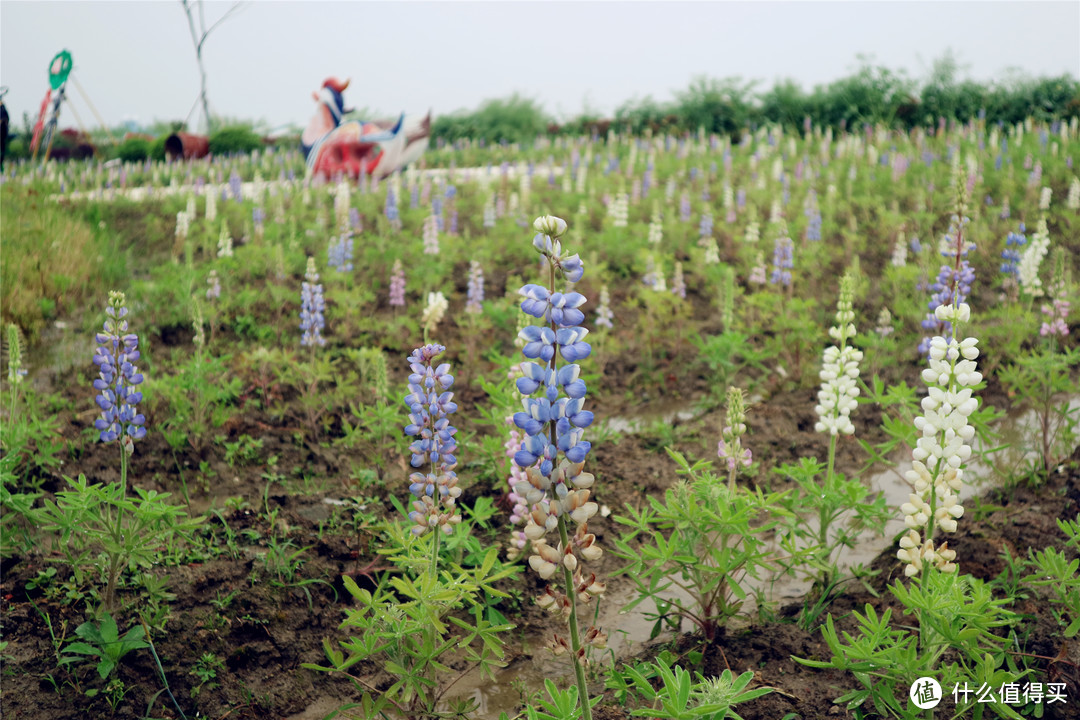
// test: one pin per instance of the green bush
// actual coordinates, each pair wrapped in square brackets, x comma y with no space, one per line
[134,149]
[512,119]
[235,139]
[18,148]
[157,148]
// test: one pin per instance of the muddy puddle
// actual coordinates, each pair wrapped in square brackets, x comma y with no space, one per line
[666,414]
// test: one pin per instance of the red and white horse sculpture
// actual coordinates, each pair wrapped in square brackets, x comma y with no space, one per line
[350,148]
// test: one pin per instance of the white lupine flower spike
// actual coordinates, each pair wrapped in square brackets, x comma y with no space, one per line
[942,449]
[840,370]
[944,444]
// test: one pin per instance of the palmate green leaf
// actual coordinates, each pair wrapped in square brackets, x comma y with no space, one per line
[641,683]
[487,632]
[853,699]
[333,654]
[368,645]
[736,588]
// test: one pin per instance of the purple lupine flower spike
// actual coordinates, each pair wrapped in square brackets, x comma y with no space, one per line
[397,285]
[430,403]
[474,304]
[312,306]
[114,357]
[555,489]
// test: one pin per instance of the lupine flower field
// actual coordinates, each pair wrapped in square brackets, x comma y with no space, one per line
[771,426]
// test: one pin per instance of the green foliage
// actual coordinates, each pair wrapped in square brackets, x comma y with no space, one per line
[410,624]
[512,119]
[646,113]
[679,696]
[1052,568]
[558,705]
[134,149]
[1046,381]
[694,549]
[726,355]
[31,439]
[955,640]
[53,261]
[206,670]
[198,397]
[128,532]
[323,386]
[104,642]
[157,148]
[235,139]
[371,363]
[372,427]
[15,511]
[843,509]
[680,699]
[873,94]
[714,105]
[245,451]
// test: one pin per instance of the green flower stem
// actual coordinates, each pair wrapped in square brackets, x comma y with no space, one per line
[824,523]
[433,568]
[118,533]
[568,577]
[575,641]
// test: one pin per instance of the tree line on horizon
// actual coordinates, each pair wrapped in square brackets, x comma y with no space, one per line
[873,94]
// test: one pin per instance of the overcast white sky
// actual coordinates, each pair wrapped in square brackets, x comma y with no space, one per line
[135,60]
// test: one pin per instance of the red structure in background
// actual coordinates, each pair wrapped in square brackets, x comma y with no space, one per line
[185,146]
[333,147]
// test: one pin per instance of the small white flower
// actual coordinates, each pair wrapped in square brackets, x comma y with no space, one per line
[550,225]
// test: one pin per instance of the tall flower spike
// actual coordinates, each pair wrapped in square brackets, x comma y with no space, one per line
[604,316]
[225,242]
[555,488]
[474,304]
[1031,260]
[730,448]
[783,259]
[839,370]
[115,358]
[431,236]
[311,308]
[944,446]
[213,282]
[16,372]
[434,448]
[434,311]
[397,285]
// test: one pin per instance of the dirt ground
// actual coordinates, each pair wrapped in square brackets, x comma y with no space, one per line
[266,632]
